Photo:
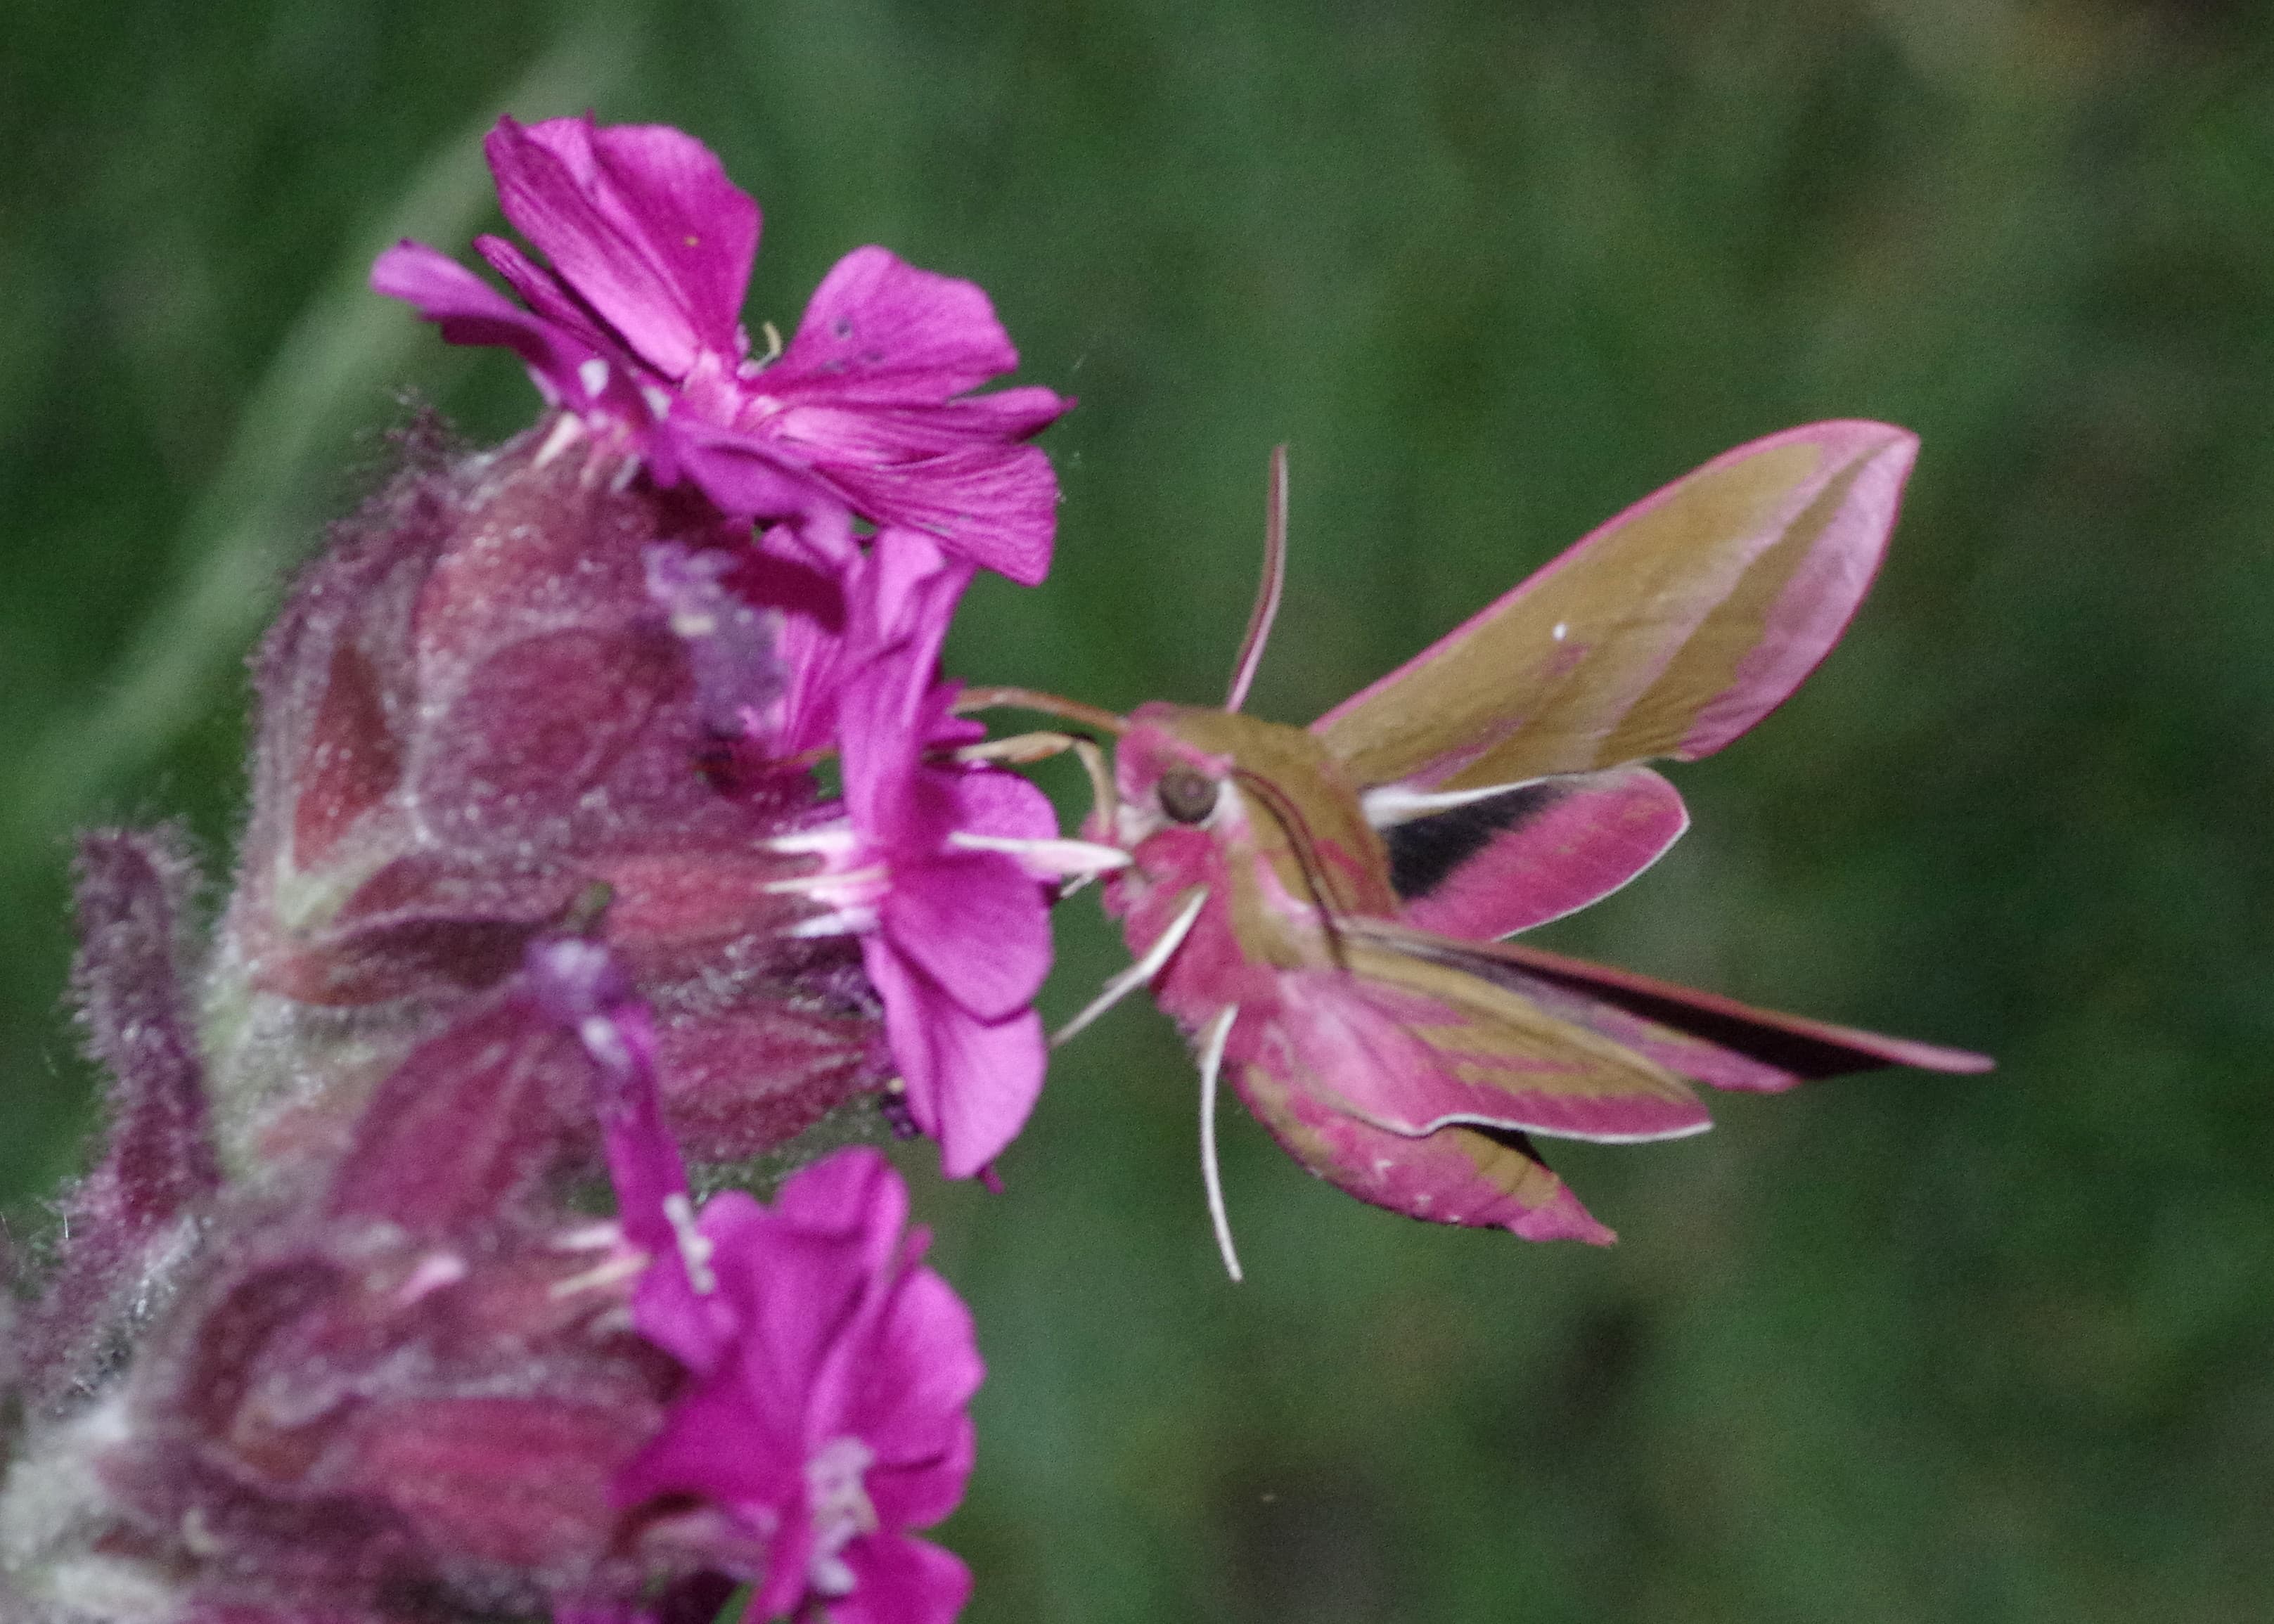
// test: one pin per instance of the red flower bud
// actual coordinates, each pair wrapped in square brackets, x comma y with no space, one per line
[475,723]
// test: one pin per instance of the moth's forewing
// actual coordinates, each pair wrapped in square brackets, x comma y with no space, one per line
[1411,1047]
[1699,1035]
[1533,852]
[1668,632]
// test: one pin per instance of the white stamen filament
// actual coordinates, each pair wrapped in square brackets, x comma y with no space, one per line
[843,922]
[852,882]
[1144,970]
[603,1041]
[1219,1033]
[565,433]
[434,1271]
[695,1247]
[593,374]
[1047,859]
[829,842]
[615,1270]
[588,1238]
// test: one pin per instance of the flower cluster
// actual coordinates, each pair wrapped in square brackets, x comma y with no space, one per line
[851,484]
[539,881]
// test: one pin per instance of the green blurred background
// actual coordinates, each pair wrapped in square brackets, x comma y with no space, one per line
[1904,1347]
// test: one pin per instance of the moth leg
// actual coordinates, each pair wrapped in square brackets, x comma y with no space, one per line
[1019,749]
[1144,970]
[1219,1033]
[1024,749]
[1046,705]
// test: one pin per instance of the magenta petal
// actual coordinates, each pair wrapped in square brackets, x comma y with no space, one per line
[1000,803]
[924,1367]
[870,435]
[717,1443]
[541,291]
[613,219]
[922,1492]
[881,332]
[672,193]
[471,311]
[901,1580]
[992,1075]
[994,505]
[899,601]
[920,1374]
[855,1195]
[747,474]
[795,1293]
[789,1562]
[971,1084]
[906,597]
[979,927]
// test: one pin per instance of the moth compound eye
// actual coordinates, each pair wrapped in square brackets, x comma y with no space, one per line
[1186,795]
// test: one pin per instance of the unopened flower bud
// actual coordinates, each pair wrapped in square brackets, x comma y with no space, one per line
[475,717]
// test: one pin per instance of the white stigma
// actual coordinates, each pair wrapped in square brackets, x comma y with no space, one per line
[838,1503]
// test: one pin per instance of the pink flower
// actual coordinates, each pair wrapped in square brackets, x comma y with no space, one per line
[832,1418]
[940,868]
[635,327]
[829,1372]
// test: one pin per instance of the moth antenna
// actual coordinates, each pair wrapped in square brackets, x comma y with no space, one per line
[1219,1033]
[1143,970]
[1290,819]
[1267,589]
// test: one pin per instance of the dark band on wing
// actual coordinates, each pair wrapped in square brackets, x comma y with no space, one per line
[1424,850]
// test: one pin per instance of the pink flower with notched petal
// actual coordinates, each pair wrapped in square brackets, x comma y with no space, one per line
[636,324]
[828,1371]
[834,1417]
[939,867]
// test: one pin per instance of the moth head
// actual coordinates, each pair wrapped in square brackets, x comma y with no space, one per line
[1167,780]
